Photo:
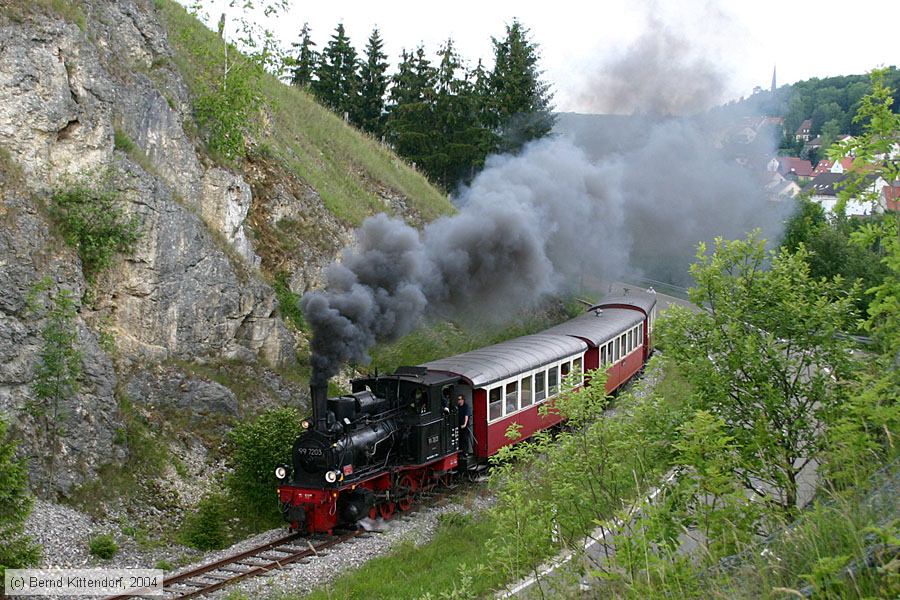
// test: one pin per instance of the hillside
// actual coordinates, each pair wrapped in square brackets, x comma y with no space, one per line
[191,323]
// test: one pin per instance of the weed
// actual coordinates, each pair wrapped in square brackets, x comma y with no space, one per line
[103,546]
[205,529]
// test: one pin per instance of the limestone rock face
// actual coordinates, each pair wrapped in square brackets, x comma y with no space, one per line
[55,101]
[88,422]
[169,388]
[108,100]
[225,202]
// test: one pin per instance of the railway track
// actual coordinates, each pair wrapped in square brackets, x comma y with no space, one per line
[250,563]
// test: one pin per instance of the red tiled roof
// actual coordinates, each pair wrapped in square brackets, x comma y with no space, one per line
[797,166]
[824,166]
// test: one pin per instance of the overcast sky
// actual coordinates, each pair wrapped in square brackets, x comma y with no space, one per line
[579,39]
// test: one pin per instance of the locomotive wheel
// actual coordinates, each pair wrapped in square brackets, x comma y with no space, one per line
[406,494]
[386,510]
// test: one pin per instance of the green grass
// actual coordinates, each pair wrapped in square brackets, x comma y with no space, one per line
[67,10]
[346,167]
[411,571]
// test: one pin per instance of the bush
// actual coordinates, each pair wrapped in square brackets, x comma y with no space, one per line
[92,220]
[288,301]
[257,448]
[103,546]
[206,529]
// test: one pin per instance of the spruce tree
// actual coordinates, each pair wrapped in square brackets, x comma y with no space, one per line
[410,126]
[16,549]
[374,85]
[304,64]
[337,75]
[460,139]
[522,101]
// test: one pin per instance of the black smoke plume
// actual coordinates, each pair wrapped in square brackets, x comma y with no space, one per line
[605,197]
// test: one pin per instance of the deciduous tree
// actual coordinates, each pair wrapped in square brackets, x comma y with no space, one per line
[767,355]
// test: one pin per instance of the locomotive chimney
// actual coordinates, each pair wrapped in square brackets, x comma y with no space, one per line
[318,392]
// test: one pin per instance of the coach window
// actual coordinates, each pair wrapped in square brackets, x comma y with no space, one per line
[512,397]
[622,351]
[564,370]
[553,380]
[641,334]
[576,366]
[630,340]
[603,355]
[527,397]
[495,406]
[609,353]
[540,392]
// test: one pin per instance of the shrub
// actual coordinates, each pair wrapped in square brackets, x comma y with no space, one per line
[257,447]
[205,529]
[288,301]
[92,220]
[103,546]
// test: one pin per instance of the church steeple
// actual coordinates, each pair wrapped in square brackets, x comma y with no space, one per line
[773,78]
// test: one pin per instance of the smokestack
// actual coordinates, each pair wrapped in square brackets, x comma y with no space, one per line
[318,392]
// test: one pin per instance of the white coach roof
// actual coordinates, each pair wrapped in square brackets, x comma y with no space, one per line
[501,361]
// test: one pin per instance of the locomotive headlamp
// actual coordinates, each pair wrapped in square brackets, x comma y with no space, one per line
[304,424]
[331,476]
[280,472]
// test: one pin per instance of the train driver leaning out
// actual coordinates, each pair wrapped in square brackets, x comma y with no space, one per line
[464,417]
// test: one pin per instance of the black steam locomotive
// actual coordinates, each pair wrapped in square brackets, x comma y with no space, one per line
[369,453]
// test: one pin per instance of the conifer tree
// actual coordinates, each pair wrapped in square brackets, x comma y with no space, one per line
[410,124]
[522,101]
[460,140]
[374,85]
[337,75]
[16,550]
[304,64]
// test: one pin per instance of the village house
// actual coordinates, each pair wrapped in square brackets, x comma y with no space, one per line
[825,189]
[803,132]
[790,167]
[779,188]
[829,166]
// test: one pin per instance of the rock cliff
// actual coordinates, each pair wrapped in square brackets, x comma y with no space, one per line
[95,92]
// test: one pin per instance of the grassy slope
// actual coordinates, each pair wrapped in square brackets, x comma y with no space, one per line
[344,165]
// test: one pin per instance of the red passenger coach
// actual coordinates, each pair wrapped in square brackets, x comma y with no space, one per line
[508,382]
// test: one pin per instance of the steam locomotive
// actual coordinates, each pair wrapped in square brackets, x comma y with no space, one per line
[371,452]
